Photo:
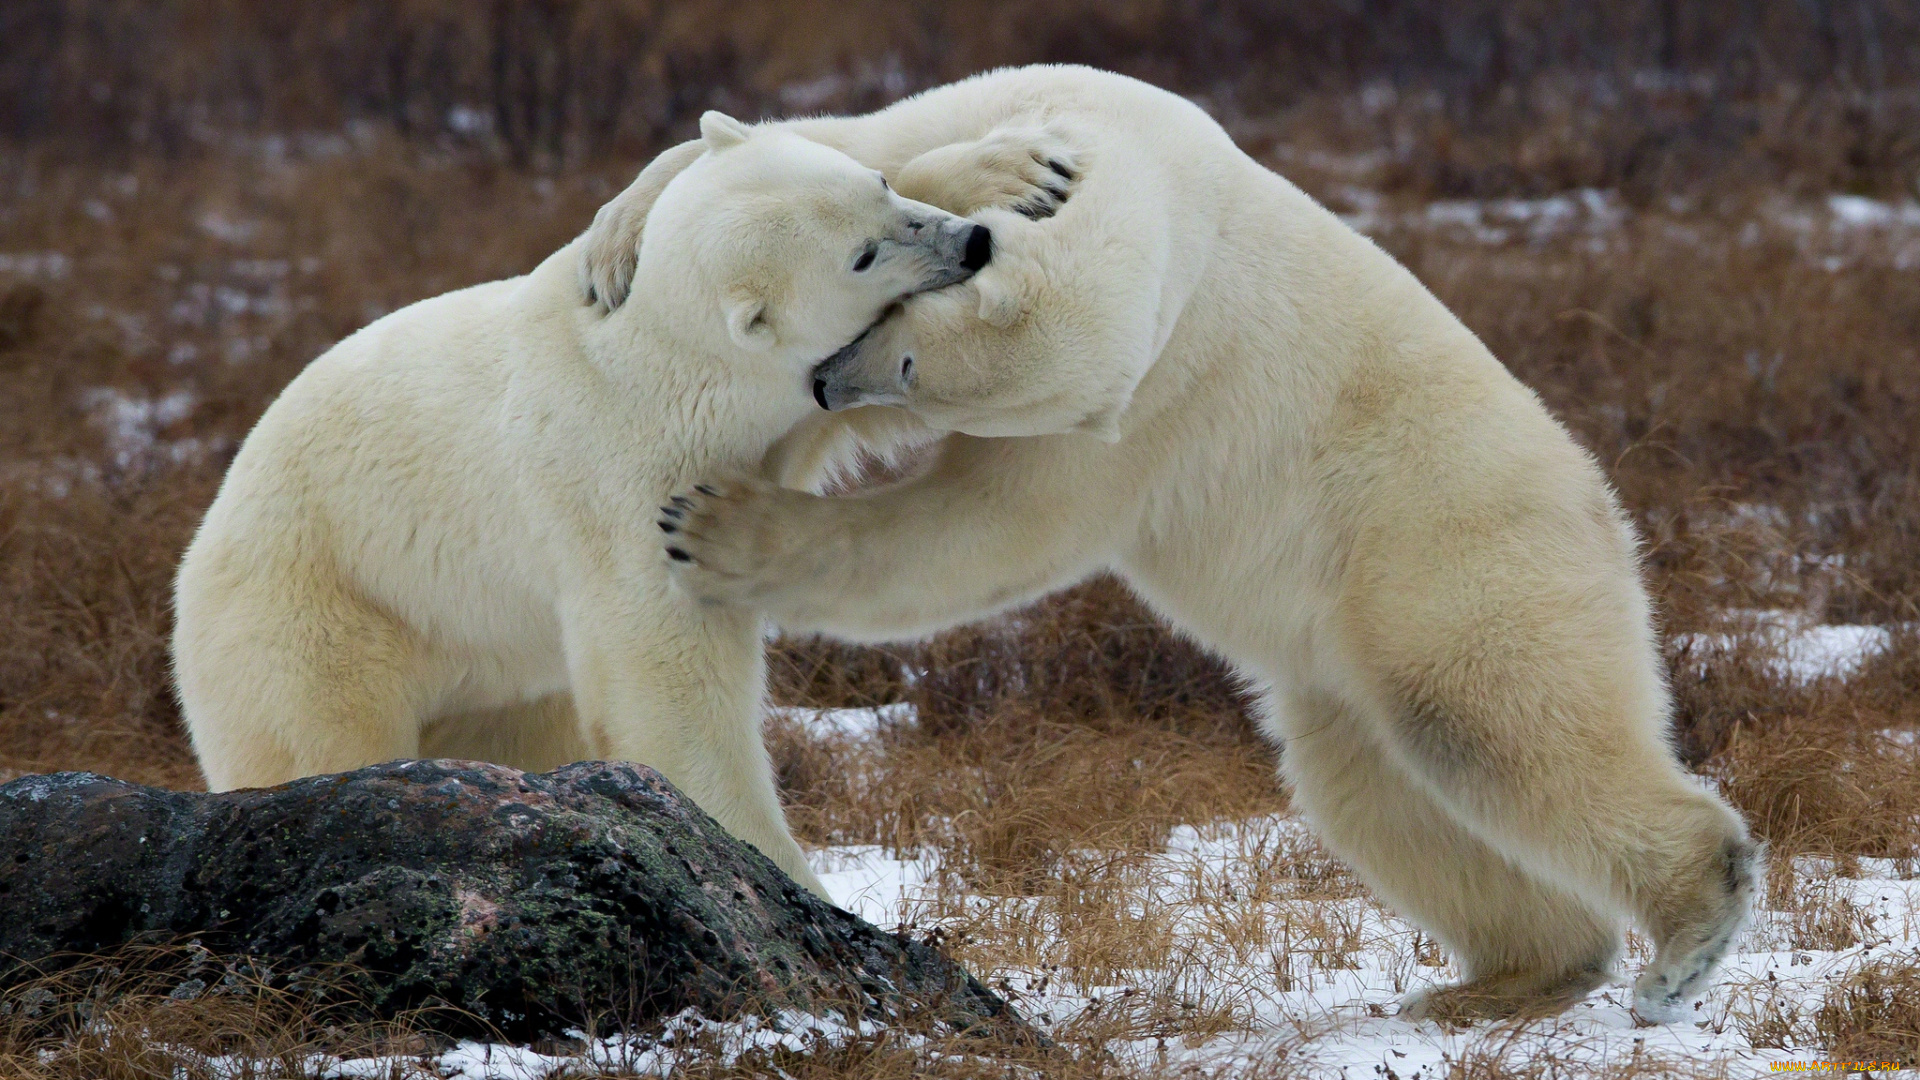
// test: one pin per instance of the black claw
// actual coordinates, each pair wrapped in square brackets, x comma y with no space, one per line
[593,296]
[1065,173]
[1027,211]
[678,556]
[705,490]
[668,527]
[682,502]
[673,512]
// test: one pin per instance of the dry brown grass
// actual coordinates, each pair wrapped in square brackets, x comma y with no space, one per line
[1870,1013]
[1875,1014]
[254,183]
[1080,725]
[1826,788]
[178,1014]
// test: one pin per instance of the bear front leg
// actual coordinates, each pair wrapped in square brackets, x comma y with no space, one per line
[658,682]
[994,523]
[749,542]
[1028,169]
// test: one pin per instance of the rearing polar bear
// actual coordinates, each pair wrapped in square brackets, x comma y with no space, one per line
[1291,449]
[439,539]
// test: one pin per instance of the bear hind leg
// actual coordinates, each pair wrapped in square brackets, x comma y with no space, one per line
[1524,945]
[339,686]
[1576,791]
[1694,934]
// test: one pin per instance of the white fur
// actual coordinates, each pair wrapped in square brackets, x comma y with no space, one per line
[440,538]
[1300,457]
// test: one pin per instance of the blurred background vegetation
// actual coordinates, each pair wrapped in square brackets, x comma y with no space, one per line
[1661,91]
[1631,202]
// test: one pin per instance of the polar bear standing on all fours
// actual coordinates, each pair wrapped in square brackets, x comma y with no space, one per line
[440,538]
[1196,377]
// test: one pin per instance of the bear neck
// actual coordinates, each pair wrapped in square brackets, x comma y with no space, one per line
[734,403]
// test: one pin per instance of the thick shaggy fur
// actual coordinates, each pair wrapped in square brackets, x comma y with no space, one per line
[440,539]
[1300,457]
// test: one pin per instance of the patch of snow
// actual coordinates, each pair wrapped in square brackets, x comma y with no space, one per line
[132,425]
[51,265]
[1798,651]
[1859,212]
[846,723]
[260,269]
[810,94]
[223,229]
[686,1037]
[1586,212]
[888,79]
[204,303]
[469,120]
[1842,232]
[1832,651]
[872,884]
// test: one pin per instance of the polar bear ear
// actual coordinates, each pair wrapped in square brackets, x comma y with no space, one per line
[720,130]
[747,323]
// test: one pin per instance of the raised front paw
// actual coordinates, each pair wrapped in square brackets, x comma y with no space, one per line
[1029,169]
[737,541]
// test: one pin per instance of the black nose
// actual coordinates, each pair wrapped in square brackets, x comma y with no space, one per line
[979,248]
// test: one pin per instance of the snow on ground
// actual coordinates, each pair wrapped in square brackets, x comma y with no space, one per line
[1860,212]
[638,1057]
[1341,1018]
[661,1056]
[51,265]
[1796,648]
[131,424]
[846,723]
[1834,233]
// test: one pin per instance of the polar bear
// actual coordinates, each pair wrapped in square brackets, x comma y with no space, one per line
[1196,377]
[438,539]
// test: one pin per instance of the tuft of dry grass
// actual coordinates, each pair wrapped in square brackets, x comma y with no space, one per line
[176,1013]
[1870,1013]
[1874,1014]
[1826,788]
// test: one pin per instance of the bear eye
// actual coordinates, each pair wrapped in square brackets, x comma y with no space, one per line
[865,260]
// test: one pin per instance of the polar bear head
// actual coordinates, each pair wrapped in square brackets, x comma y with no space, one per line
[1019,350]
[773,245]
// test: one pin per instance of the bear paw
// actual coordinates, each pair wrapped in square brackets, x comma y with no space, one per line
[739,541]
[1028,169]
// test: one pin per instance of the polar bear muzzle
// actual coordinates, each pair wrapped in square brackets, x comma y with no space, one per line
[952,250]
[840,381]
